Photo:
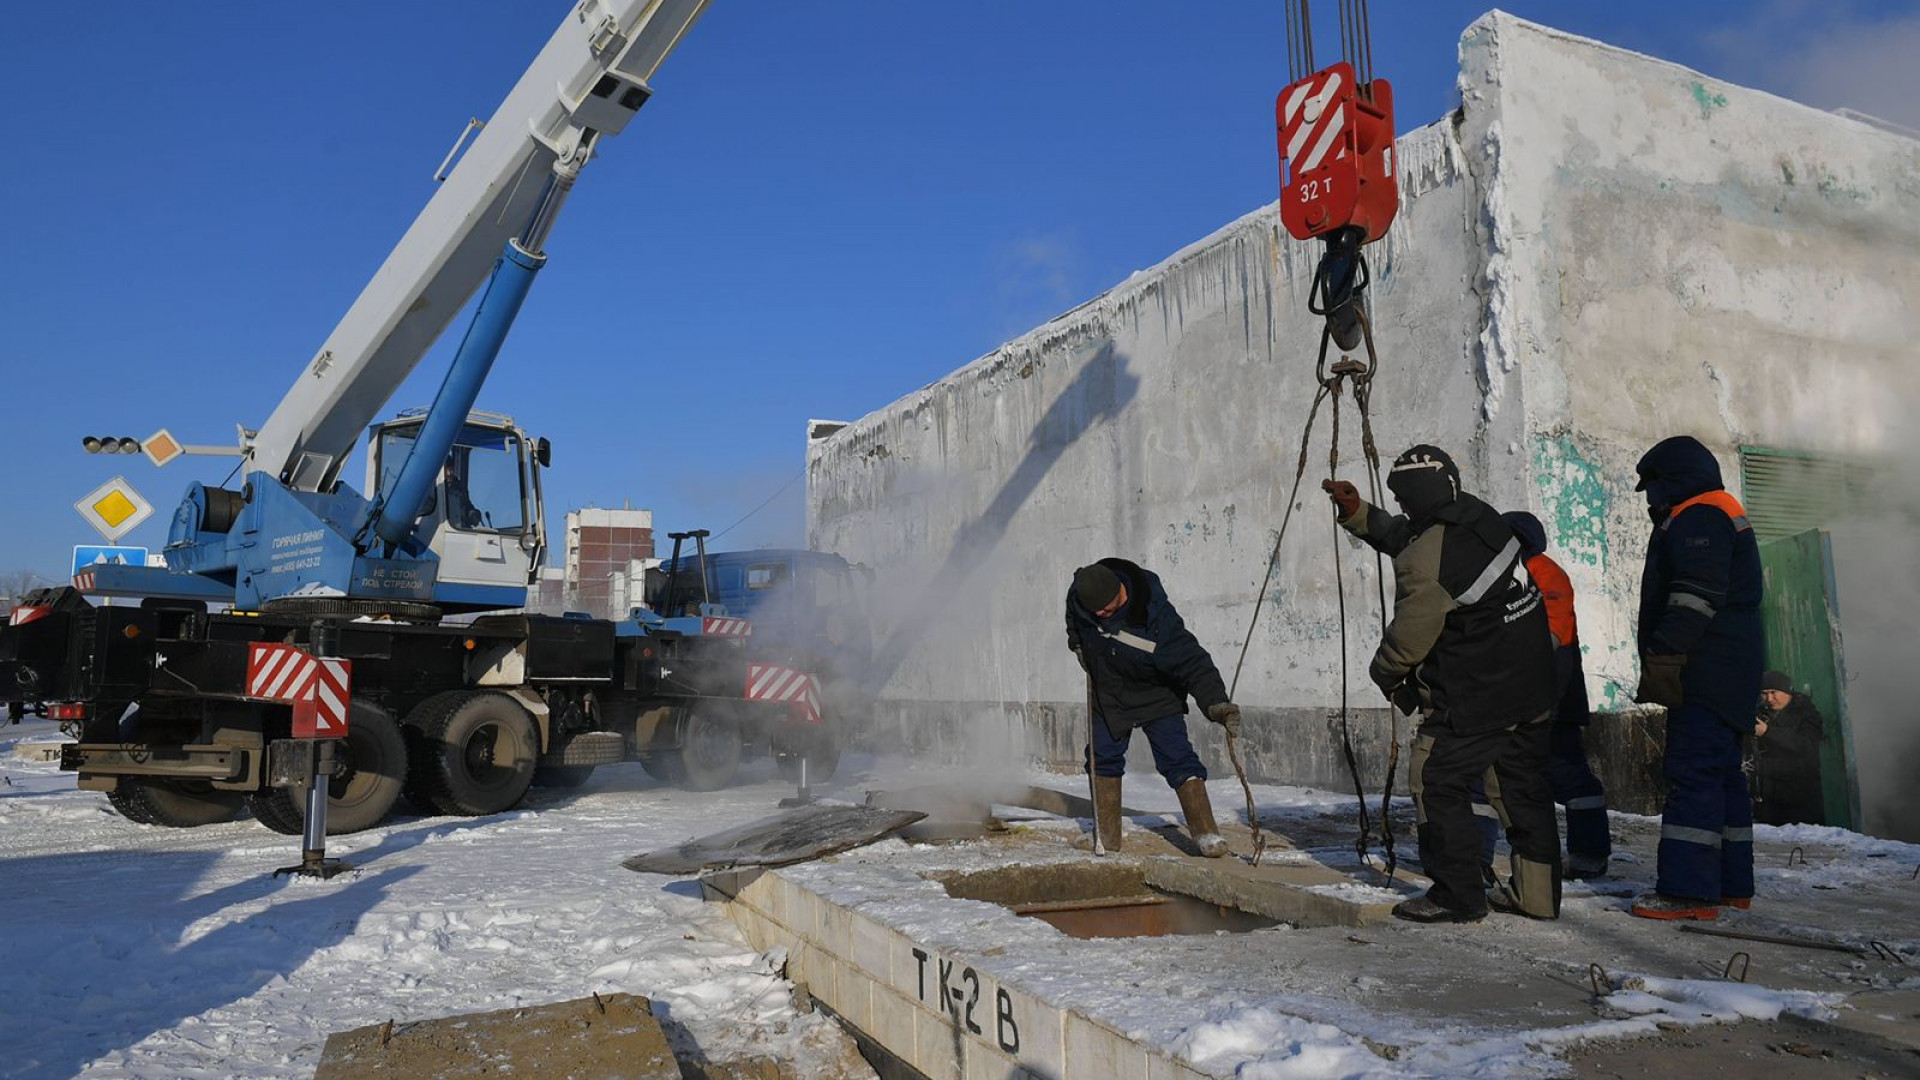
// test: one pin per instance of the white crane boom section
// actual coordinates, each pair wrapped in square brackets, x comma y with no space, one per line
[587,82]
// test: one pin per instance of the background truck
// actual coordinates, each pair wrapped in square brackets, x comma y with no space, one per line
[810,612]
[459,699]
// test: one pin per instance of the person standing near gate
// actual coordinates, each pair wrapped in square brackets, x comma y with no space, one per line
[1701,658]
[1469,649]
[1787,739]
[1142,664]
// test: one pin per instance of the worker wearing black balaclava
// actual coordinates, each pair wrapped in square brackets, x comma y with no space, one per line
[1469,651]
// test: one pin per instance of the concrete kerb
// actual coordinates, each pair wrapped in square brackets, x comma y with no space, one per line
[947,1016]
[951,1014]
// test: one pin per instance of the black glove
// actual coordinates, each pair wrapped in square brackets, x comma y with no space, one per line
[1346,497]
[1660,680]
[1227,715]
[1407,698]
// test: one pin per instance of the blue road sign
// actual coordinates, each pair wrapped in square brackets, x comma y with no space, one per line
[85,555]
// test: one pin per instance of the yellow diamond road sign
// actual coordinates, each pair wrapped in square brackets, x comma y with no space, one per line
[114,509]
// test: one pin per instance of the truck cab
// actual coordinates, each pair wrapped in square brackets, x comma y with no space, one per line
[485,519]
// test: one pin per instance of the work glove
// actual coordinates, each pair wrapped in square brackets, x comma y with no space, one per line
[1227,715]
[1346,497]
[1407,698]
[1660,680]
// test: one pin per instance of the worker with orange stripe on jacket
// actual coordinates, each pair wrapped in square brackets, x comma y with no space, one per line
[1589,843]
[1701,656]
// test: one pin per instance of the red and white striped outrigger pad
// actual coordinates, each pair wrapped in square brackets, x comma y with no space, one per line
[319,688]
[721,626]
[321,712]
[774,682]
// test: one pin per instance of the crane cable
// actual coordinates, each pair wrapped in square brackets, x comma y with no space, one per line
[1360,377]
[1356,41]
[1325,296]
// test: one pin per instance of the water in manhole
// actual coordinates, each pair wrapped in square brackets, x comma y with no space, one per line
[1099,901]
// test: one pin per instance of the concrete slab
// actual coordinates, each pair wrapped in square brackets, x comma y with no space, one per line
[615,1035]
[38,750]
[1510,995]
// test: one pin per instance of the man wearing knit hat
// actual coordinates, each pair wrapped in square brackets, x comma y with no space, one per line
[1468,650]
[1142,664]
[1787,738]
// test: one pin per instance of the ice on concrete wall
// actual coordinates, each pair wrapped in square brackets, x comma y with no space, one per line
[1159,422]
[1600,249]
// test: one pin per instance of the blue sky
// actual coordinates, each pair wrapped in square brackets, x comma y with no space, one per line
[827,204]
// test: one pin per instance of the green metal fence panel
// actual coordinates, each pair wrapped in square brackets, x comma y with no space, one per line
[1802,619]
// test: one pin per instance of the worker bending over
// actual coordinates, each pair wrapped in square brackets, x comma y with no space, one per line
[1142,664]
[1468,649]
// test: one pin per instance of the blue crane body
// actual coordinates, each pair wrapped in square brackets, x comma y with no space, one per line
[457,716]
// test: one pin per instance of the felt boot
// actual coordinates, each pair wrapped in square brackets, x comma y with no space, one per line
[1198,810]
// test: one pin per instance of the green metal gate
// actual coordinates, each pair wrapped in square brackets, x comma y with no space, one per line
[1802,620]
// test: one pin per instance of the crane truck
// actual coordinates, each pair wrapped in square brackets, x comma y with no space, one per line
[459,697]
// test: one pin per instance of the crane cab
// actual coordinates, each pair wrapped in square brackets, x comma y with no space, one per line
[484,520]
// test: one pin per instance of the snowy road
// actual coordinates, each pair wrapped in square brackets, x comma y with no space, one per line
[133,951]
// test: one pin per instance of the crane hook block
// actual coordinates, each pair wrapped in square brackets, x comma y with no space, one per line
[1336,155]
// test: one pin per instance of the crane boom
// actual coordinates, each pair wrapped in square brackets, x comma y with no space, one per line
[587,81]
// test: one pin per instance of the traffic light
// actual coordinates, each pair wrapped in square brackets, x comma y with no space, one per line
[110,444]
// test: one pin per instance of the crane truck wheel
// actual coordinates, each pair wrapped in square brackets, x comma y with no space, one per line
[820,748]
[175,804]
[479,750]
[370,768]
[709,753]
[274,810]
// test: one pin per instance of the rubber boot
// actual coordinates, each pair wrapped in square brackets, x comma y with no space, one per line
[1198,811]
[1106,815]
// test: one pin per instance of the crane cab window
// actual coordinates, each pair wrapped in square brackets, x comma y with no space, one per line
[483,482]
[481,485]
[766,575]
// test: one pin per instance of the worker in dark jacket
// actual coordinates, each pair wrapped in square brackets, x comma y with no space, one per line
[1700,658]
[1468,648]
[1142,665]
[1589,842]
[1787,738]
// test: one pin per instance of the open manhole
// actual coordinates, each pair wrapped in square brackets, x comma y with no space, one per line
[1099,901]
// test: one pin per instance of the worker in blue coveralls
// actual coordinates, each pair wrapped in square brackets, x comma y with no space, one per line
[1701,657]
[1142,664]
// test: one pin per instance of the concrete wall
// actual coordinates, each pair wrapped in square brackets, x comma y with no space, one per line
[1161,422]
[1598,250]
[1678,255]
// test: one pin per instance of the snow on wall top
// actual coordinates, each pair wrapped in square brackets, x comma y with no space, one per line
[1428,156]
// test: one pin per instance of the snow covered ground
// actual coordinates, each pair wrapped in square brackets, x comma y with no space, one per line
[133,951]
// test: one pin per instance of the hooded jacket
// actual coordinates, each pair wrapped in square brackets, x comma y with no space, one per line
[1556,591]
[1143,661]
[1701,588]
[1469,631]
